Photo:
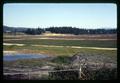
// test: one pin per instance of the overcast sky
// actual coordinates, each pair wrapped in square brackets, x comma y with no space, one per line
[60,14]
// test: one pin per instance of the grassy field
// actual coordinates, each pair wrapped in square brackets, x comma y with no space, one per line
[61,51]
[60,56]
[56,52]
[83,43]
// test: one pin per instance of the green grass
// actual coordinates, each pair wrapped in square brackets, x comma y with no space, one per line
[26,62]
[62,54]
[61,60]
[83,43]
[63,51]
[32,63]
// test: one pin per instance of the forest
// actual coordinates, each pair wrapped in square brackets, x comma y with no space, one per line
[62,30]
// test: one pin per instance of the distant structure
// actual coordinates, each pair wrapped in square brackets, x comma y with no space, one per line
[7,31]
[47,32]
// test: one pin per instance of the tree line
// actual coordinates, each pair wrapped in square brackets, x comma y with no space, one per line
[62,30]
[70,30]
[77,31]
[34,31]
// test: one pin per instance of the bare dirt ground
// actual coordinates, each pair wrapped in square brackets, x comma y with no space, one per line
[10,52]
[63,37]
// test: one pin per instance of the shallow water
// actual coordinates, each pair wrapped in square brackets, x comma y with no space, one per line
[12,57]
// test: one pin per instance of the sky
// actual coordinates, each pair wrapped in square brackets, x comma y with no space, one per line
[43,15]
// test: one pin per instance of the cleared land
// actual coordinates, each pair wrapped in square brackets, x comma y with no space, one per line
[63,37]
[60,48]
[62,45]
[82,43]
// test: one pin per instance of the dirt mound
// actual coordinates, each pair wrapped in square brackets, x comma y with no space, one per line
[93,61]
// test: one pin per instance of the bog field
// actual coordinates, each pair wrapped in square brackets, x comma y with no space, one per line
[61,45]
[59,48]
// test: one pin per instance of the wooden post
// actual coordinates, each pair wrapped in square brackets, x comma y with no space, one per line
[28,74]
[80,69]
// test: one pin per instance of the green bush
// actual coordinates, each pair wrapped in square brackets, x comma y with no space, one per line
[61,60]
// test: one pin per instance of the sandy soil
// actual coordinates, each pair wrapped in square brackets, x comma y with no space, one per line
[63,37]
[9,44]
[10,52]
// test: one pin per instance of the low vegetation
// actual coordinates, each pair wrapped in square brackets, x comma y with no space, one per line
[88,74]
[64,63]
[61,54]
[60,51]
[82,43]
